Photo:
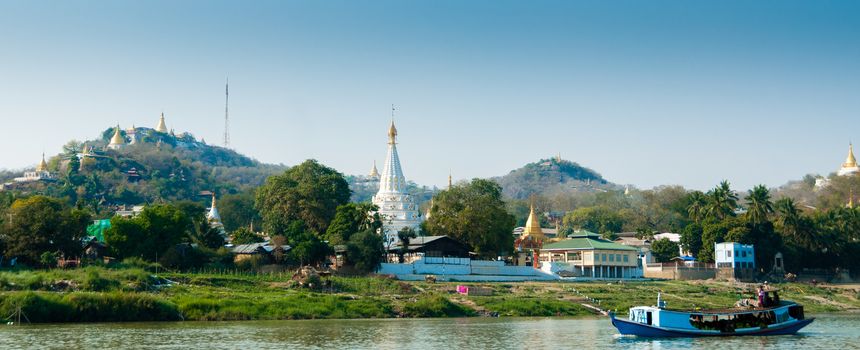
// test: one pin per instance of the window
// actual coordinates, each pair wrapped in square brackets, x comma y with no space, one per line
[743,253]
[728,253]
[618,257]
[603,257]
[625,257]
[574,256]
[611,257]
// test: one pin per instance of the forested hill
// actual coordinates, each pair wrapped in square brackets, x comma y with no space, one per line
[549,177]
[157,167]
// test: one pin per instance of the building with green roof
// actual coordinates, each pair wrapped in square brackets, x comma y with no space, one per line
[586,254]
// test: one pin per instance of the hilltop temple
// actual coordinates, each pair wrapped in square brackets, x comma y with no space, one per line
[396,207]
[850,166]
[117,141]
[40,174]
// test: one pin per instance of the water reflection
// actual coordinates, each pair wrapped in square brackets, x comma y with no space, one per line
[829,331]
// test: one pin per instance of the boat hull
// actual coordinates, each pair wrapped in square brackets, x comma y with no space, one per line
[642,330]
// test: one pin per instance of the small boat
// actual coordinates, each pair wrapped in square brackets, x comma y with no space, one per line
[778,318]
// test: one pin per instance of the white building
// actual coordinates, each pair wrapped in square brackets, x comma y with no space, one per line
[397,208]
[734,255]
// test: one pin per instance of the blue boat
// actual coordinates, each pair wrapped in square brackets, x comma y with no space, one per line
[781,318]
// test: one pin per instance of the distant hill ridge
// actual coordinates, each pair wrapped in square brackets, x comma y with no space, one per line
[552,176]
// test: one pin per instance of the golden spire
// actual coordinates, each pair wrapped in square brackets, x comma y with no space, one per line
[43,165]
[850,161]
[392,133]
[213,200]
[162,126]
[373,171]
[532,224]
[558,158]
[450,180]
[117,139]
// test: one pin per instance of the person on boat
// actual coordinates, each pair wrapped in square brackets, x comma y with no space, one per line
[760,291]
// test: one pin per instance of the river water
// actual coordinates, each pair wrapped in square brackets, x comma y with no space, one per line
[827,332]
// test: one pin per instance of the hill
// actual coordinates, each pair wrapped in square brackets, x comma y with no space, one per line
[551,177]
[151,167]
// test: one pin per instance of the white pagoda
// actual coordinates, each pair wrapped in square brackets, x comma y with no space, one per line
[396,207]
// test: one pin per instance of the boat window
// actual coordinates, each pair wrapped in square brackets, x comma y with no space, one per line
[796,312]
[731,322]
[649,318]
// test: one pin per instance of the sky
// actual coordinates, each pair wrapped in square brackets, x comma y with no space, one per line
[647,93]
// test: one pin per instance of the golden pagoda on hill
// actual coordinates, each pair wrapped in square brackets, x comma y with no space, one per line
[117,141]
[850,166]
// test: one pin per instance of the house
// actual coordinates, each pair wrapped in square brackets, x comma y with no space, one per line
[642,244]
[734,261]
[586,254]
[246,251]
[430,246]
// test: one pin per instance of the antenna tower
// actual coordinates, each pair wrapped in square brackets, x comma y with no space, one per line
[227,114]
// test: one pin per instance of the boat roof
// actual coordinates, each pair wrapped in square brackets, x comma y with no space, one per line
[782,304]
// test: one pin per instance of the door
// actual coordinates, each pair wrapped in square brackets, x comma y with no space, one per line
[648,317]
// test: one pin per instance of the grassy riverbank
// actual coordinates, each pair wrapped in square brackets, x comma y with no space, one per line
[134,294]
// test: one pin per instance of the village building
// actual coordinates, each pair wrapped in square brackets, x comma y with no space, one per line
[396,207]
[586,254]
[734,261]
[429,246]
[264,250]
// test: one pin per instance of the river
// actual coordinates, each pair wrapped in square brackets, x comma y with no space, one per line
[827,332]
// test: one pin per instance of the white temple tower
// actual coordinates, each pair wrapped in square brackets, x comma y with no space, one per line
[397,208]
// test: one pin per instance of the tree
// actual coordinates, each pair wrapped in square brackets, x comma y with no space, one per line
[41,224]
[595,219]
[150,234]
[351,218]
[759,205]
[691,238]
[309,192]
[244,235]
[722,201]
[405,235]
[698,206]
[664,250]
[473,213]
[364,251]
[205,235]
[309,249]
[238,210]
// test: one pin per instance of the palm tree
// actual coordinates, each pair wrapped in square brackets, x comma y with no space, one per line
[698,206]
[405,235]
[789,217]
[723,201]
[759,204]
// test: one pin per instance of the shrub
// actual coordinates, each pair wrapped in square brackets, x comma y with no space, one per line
[435,306]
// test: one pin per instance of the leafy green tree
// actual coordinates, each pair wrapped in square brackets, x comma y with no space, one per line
[691,238]
[405,235]
[238,210]
[759,205]
[244,235]
[595,219]
[664,250]
[310,250]
[309,192]
[150,234]
[41,224]
[473,213]
[351,218]
[364,251]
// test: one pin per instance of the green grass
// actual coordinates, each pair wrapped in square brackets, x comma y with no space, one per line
[525,306]
[131,292]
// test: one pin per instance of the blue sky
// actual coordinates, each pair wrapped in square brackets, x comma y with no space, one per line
[645,92]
